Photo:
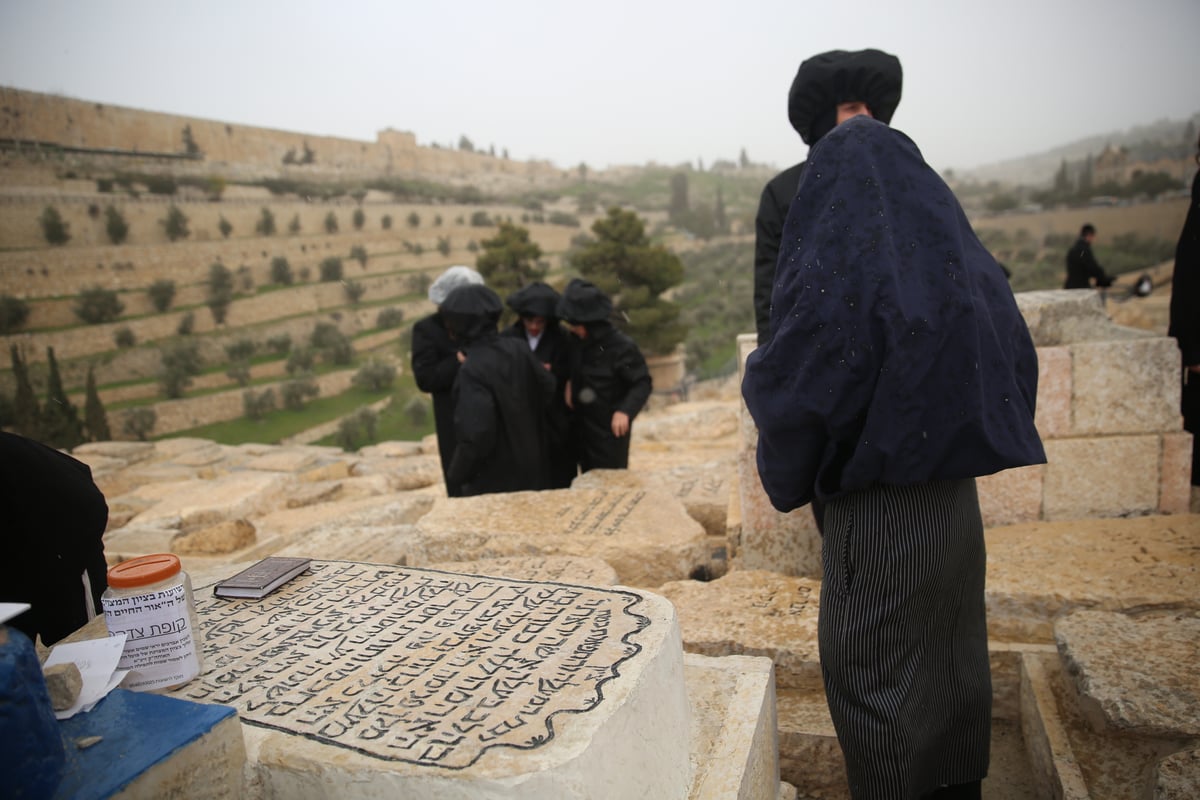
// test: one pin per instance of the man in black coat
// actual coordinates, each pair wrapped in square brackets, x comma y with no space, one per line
[609,382]
[435,360]
[828,89]
[1185,319]
[1082,267]
[53,537]
[540,329]
[500,399]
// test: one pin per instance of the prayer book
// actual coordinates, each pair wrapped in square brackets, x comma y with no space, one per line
[260,579]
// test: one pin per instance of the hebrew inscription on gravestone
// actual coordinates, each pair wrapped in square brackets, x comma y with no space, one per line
[415,665]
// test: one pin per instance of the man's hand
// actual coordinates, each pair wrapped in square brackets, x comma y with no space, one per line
[461,356]
[620,424]
[567,396]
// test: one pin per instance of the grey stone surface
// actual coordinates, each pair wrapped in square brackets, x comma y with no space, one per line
[1155,694]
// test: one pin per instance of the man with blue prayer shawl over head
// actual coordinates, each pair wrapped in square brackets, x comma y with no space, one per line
[898,370]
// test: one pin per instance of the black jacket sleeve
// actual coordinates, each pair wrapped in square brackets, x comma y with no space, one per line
[634,375]
[1185,284]
[768,231]
[434,356]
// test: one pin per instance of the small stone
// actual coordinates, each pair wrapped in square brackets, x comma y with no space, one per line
[64,684]
[224,537]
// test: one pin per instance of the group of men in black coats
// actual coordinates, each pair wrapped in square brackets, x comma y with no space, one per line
[531,406]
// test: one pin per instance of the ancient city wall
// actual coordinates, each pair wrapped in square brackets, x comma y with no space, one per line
[235,150]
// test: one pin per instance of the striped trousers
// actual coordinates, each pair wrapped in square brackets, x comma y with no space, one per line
[903,637]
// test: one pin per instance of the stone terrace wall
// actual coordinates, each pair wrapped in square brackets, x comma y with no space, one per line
[1108,414]
[239,150]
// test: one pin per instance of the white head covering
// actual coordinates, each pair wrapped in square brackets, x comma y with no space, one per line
[450,280]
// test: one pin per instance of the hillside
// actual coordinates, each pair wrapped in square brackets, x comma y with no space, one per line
[1177,137]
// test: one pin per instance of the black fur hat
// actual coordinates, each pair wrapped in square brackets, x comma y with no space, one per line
[829,79]
[583,302]
[471,311]
[535,300]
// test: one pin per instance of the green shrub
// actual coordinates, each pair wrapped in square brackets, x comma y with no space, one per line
[240,373]
[331,223]
[180,362]
[354,291]
[390,317]
[225,227]
[417,410]
[480,219]
[357,429]
[124,337]
[374,376]
[97,305]
[294,225]
[175,224]
[54,227]
[297,392]
[241,349]
[139,423]
[160,184]
[187,324]
[13,313]
[258,404]
[162,294]
[331,269]
[266,223]
[443,245]
[281,271]
[385,222]
[414,220]
[359,254]
[115,225]
[220,291]
[333,345]
[300,360]
[358,219]
[280,343]
[563,218]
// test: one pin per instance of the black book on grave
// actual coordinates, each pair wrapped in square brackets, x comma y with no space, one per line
[260,579]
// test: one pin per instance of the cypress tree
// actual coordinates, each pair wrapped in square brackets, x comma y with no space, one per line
[25,407]
[95,420]
[61,426]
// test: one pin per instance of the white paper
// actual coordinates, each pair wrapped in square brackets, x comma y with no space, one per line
[10,610]
[97,661]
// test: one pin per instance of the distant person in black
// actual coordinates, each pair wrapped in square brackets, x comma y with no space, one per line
[435,364]
[54,521]
[1082,267]
[1185,318]
[609,382]
[500,399]
[539,327]
[828,89]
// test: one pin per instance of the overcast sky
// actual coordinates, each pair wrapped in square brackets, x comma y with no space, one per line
[617,81]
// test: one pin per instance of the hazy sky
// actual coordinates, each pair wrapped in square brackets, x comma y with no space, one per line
[617,81]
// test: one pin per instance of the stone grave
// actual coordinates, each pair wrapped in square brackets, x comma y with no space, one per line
[645,535]
[365,680]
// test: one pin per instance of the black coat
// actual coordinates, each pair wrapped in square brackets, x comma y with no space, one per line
[435,366]
[500,401]
[608,374]
[897,352]
[1185,284]
[768,228]
[52,533]
[554,348]
[1082,267]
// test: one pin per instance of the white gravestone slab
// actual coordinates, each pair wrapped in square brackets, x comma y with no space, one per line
[438,682]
